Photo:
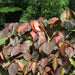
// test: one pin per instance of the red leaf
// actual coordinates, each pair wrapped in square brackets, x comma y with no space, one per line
[53,20]
[36,26]
[22,26]
[32,24]
[48,69]
[34,35]
[58,38]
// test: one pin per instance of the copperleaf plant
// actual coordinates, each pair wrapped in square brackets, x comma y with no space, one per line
[38,47]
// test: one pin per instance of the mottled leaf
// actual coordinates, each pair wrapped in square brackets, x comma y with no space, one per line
[35,55]
[60,61]
[7,51]
[55,63]
[69,51]
[24,47]
[22,26]
[34,66]
[13,69]
[5,32]
[16,50]
[40,68]
[27,68]
[14,40]
[44,73]
[57,72]
[43,62]
[13,28]
[47,48]
[21,64]
[42,37]
[36,26]
[27,56]
[34,35]
[26,29]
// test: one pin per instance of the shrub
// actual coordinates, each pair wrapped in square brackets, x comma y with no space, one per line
[38,47]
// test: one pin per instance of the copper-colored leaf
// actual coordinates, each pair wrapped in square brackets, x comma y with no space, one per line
[35,55]
[4,32]
[14,40]
[13,28]
[21,66]
[27,68]
[48,69]
[58,38]
[13,68]
[7,51]
[42,37]
[1,55]
[53,20]
[24,47]
[22,27]
[27,56]
[55,63]
[40,68]
[16,50]
[34,35]
[62,48]
[36,26]
[34,67]
[47,48]
[58,71]
[69,51]
[44,73]
[43,62]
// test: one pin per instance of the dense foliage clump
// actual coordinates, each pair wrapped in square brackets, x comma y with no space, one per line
[40,47]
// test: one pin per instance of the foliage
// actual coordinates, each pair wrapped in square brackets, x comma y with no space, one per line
[33,9]
[39,47]
[47,8]
[9,9]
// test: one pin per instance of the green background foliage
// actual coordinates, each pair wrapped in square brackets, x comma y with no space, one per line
[32,9]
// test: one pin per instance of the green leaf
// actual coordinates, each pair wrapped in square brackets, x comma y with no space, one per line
[9,9]
[72,62]
[29,42]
